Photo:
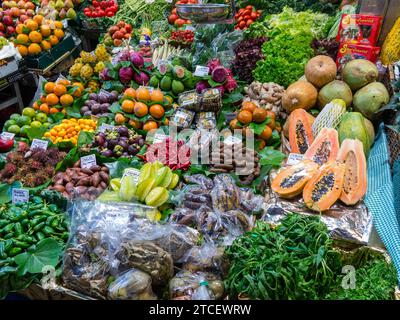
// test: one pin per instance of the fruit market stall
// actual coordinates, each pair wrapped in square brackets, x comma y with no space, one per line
[202,151]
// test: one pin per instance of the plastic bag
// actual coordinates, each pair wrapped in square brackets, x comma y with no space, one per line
[196,286]
[132,285]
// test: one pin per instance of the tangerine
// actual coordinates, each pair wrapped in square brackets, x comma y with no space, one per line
[34,49]
[135,124]
[156,111]
[66,100]
[249,106]
[245,117]
[157,96]
[234,124]
[31,24]
[36,105]
[44,108]
[38,19]
[130,93]
[60,89]
[140,109]
[45,30]
[53,40]
[46,45]
[23,50]
[261,144]
[271,114]
[52,99]
[259,115]
[58,33]
[54,110]
[143,94]
[49,87]
[20,29]
[119,118]
[35,37]
[22,39]
[64,82]
[43,99]
[58,24]
[150,125]
[128,106]
[266,134]
[170,100]
[271,123]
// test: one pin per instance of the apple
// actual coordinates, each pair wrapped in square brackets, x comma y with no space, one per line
[5,5]
[7,20]
[2,34]
[30,12]
[2,28]
[21,4]
[13,4]
[23,18]
[7,12]
[1,15]
[10,30]
[15,12]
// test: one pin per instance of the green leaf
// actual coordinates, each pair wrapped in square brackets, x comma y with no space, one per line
[47,253]
[258,128]
[117,168]
[275,139]
[270,156]
[69,160]
[85,137]
[125,64]
[38,189]
[36,133]
[6,189]
[115,107]
[57,117]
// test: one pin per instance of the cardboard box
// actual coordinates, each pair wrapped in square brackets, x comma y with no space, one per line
[349,51]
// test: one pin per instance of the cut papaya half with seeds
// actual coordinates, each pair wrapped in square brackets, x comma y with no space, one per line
[290,181]
[325,147]
[325,187]
[300,131]
[351,154]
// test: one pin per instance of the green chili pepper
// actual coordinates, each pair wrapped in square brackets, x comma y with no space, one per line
[37,200]
[21,244]
[40,236]
[50,219]
[8,245]
[52,207]
[9,235]
[57,224]
[3,254]
[39,226]
[65,235]
[34,212]
[6,261]
[26,238]
[48,230]
[18,230]
[3,222]
[8,228]
[25,222]
[35,221]
[14,251]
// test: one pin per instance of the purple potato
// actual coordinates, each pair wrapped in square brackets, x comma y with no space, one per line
[88,113]
[96,108]
[113,96]
[107,153]
[124,139]
[103,98]
[124,144]
[102,134]
[141,142]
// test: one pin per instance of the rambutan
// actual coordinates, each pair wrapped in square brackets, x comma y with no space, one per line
[36,165]
[14,157]
[49,170]
[39,180]
[39,155]
[22,147]
[9,170]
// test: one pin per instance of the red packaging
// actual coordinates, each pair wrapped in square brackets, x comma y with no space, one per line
[349,51]
[359,29]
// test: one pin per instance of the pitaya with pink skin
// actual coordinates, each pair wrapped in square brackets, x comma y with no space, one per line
[125,74]
[137,59]
[141,78]
[212,64]
[123,56]
[104,75]
[219,74]
[230,84]
[202,85]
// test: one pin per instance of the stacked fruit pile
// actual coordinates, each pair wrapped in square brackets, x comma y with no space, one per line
[101,8]
[117,33]
[182,38]
[69,129]
[174,19]
[58,9]
[38,34]
[246,16]
[12,14]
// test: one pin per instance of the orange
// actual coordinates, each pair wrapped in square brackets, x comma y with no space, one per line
[156,111]
[261,144]
[266,134]
[36,105]
[35,37]
[54,110]
[245,117]
[34,49]
[143,94]
[78,84]
[64,82]
[259,115]
[119,118]
[23,50]
[78,90]
[53,40]
[249,106]
[31,24]
[66,99]
[58,33]
[22,39]
[38,19]
[135,124]
[150,125]
[46,45]
[271,114]
[58,24]
[44,108]
[234,124]
[52,99]
[128,106]
[45,30]
[271,124]
[170,100]
[130,92]
[49,87]
[43,99]
[60,89]
[140,109]
[157,96]
[19,29]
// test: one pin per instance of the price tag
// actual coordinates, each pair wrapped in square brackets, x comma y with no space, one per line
[105,127]
[151,89]
[201,71]
[7,136]
[133,173]
[159,137]
[88,161]
[231,140]
[38,143]
[19,195]
[190,28]
[294,158]
[65,23]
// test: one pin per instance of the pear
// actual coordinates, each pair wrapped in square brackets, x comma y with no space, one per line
[71,14]
[62,14]
[51,4]
[59,5]
[68,4]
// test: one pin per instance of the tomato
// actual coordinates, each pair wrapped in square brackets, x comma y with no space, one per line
[254,15]
[95,3]
[249,22]
[179,22]
[247,17]
[101,13]
[240,19]
[173,11]
[128,28]
[109,14]
[172,18]
[242,24]
[249,7]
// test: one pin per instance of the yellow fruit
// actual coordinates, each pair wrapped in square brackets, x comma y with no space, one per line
[34,49]
[35,37]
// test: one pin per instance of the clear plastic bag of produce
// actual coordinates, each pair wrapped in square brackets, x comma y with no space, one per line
[199,285]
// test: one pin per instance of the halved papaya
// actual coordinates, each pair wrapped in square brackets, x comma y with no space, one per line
[351,153]
[325,147]
[290,181]
[325,187]
[300,131]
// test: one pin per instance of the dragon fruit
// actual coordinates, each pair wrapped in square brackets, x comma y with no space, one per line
[104,75]
[125,74]
[214,63]
[219,74]
[221,89]
[122,56]
[141,78]
[230,84]
[202,85]
[137,59]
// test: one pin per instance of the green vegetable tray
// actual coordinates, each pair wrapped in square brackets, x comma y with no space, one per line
[45,59]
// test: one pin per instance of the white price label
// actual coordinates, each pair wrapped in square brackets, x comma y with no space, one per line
[190,28]
[65,23]
[133,173]
[151,89]
[38,143]
[88,161]
[105,127]
[19,195]
[7,136]
[294,158]
[201,71]
[231,140]
[159,137]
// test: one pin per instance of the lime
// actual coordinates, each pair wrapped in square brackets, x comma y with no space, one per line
[29,112]
[23,120]
[14,129]
[41,117]
[9,123]
[15,116]
[23,132]
[36,124]
[115,184]
[47,125]
[50,120]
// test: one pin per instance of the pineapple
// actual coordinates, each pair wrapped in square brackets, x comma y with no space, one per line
[101,53]
[86,71]
[99,67]
[75,70]
[93,85]
[87,57]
